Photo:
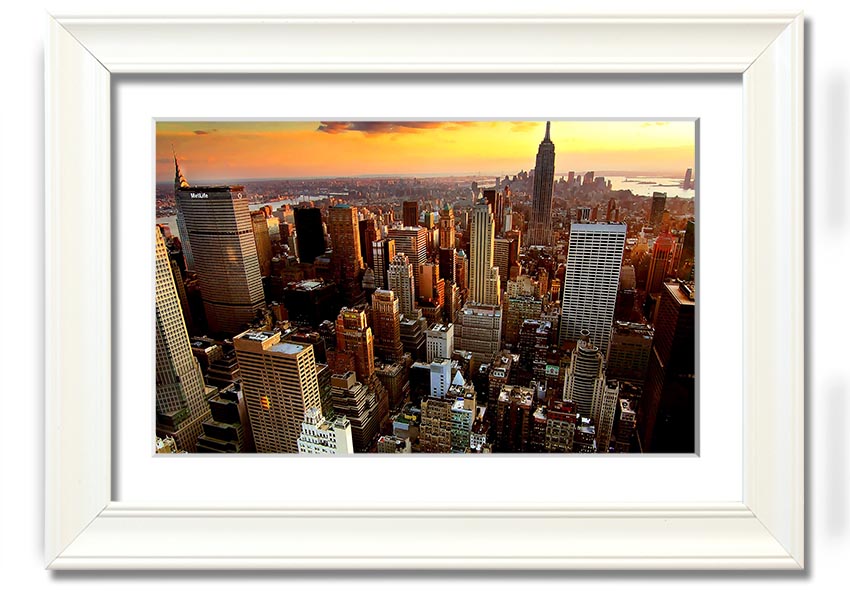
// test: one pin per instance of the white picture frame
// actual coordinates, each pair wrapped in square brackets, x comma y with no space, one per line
[85,529]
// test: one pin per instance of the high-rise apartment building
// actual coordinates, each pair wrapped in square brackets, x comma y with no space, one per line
[181,395]
[594,259]
[402,282]
[385,320]
[481,249]
[346,260]
[310,234]
[218,225]
[540,226]
[280,384]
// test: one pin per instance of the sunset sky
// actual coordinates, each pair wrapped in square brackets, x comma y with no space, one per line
[234,150]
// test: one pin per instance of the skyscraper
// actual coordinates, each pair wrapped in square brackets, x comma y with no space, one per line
[540,227]
[346,260]
[385,318]
[410,213]
[659,200]
[481,250]
[263,242]
[181,395]
[447,226]
[382,253]
[310,233]
[592,275]
[401,282]
[667,408]
[662,251]
[218,225]
[280,385]
[412,242]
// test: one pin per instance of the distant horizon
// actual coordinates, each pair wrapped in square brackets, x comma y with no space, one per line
[231,151]
[482,177]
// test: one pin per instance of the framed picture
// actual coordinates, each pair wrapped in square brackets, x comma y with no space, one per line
[517,513]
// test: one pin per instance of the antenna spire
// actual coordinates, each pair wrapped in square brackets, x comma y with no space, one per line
[546,139]
[179,180]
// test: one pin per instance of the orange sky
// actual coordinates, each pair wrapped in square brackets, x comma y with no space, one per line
[234,150]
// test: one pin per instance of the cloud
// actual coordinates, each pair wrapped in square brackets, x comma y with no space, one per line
[204,132]
[382,127]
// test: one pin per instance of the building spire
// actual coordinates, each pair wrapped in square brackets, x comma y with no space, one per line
[546,139]
[179,180]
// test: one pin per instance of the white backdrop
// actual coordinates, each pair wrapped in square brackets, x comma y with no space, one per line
[828,101]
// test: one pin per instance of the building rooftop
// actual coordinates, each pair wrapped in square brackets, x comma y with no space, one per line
[287,348]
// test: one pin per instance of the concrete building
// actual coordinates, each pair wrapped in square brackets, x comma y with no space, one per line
[354,401]
[280,385]
[181,394]
[479,330]
[346,260]
[403,283]
[592,276]
[385,320]
[218,226]
[540,225]
[441,377]
[439,341]
[481,250]
[413,243]
[320,436]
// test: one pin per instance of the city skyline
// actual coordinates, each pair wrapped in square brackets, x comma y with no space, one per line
[253,150]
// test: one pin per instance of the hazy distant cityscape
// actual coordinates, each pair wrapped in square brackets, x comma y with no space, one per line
[529,312]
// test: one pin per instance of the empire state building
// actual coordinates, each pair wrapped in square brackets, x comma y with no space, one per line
[540,228]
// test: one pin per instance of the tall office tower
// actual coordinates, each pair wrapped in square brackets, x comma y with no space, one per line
[585,376]
[410,213]
[518,309]
[354,336]
[320,436]
[453,302]
[496,201]
[624,427]
[431,286]
[401,281]
[354,401]
[260,228]
[280,385]
[685,267]
[560,425]
[540,226]
[447,258]
[180,183]
[440,341]
[310,233]
[441,377]
[590,285]
[659,200]
[218,225]
[435,431]
[461,269]
[181,395]
[603,409]
[478,330]
[447,226]
[346,260]
[588,178]
[481,253]
[369,233]
[513,420]
[666,411]
[612,209]
[385,320]
[413,243]
[662,251]
[493,287]
[394,378]
[382,253]
[505,256]
[180,284]
[629,352]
